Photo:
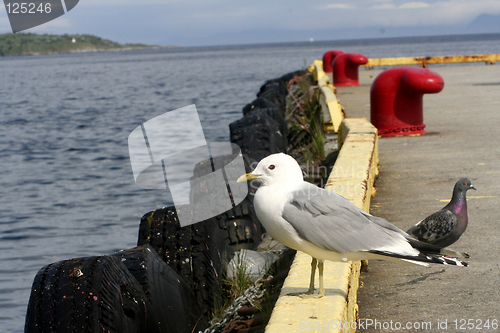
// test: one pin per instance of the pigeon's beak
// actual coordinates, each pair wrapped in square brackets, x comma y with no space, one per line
[472,186]
[247,177]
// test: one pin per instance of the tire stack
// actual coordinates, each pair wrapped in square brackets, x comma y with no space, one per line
[130,291]
[197,252]
[263,131]
[168,283]
[172,280]
[240,226]
[91,294]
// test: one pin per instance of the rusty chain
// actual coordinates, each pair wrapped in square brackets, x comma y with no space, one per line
[253,293]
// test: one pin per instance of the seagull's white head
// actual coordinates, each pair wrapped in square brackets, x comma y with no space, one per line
[276,169]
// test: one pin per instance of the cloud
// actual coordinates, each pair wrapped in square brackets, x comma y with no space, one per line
[190,22]
[418,4]
[120,3]
[384,6]
[340,6]
[399,13]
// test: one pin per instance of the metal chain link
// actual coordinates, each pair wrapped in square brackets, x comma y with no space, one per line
[253,293]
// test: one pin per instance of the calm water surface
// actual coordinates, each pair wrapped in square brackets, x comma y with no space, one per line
[66,185]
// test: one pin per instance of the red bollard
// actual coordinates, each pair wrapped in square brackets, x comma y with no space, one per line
[396,98]
[345,69]
[328,58]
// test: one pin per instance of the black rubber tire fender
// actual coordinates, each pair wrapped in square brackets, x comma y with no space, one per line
[274,96]
[172,301]
[277,116]
[208,192]
[89,294]
[289,76]
[244,230]
[258,103]
[258,136]
[196,252]
[257,131]
[277,85]
[240,222]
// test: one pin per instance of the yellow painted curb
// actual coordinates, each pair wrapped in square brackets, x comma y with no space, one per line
[317,70]
[331,106]
[294,314]
[333,112]
[357,164]
[424,61]
[324,81]
[354,173]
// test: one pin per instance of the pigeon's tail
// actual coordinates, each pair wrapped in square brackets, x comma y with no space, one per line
[425,258]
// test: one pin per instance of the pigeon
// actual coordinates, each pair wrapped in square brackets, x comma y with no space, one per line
[445,227]
[327,226]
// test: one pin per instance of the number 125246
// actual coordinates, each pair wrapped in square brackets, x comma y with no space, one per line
[478,324]
[28,8]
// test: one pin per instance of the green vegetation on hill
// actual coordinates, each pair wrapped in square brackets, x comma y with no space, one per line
[27,43]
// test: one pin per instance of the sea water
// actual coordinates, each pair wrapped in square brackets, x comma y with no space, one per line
[66,184]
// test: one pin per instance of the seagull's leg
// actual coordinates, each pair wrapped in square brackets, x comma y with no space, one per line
[321,287]
[314,263]
[310,293]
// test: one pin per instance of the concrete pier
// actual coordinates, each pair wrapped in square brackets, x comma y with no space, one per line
[417,174]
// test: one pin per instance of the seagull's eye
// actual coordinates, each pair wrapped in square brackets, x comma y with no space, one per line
[271,167]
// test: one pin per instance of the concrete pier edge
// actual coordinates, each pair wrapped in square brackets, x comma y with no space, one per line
[352,176]
[333,112]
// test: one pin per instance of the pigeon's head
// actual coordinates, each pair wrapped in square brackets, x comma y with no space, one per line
[276,169]
[462,186]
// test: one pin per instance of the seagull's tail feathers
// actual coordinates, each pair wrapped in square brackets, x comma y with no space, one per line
[425,258]
[419,245]
[433,249]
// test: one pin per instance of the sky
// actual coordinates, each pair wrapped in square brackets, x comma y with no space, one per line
[224,22]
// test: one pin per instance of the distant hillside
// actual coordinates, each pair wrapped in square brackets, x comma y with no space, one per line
[24,44]
[486,23]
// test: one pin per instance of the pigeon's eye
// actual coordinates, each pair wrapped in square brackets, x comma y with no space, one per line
[271,167]
[464,184]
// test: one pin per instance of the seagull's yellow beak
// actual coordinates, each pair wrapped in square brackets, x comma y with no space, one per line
[247,177]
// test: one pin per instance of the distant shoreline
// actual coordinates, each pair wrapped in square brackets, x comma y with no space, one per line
[91,50]
[22,44]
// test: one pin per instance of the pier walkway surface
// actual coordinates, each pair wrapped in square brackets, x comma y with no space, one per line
[417,175]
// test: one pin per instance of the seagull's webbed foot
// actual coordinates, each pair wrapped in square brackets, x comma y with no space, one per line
[308,295]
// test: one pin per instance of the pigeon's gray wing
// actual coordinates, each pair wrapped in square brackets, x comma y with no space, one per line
[333,223]
[435,227]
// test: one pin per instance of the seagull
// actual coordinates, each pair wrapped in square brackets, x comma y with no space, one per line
[445,227]
[327,226]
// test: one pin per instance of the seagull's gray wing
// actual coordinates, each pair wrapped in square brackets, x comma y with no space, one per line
[331,222]
[384,223]
[435,227]
[415,242]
